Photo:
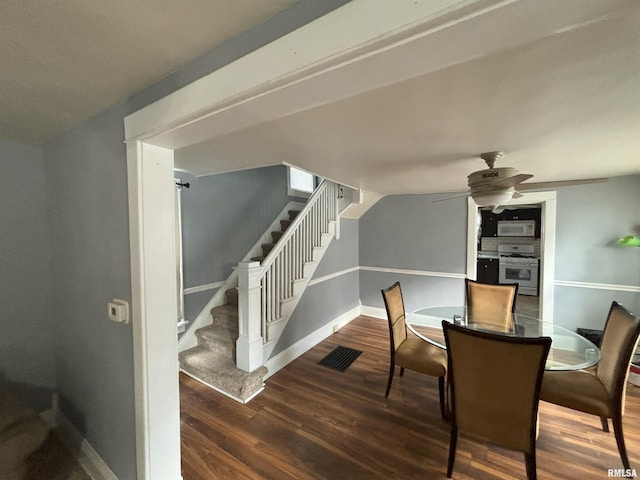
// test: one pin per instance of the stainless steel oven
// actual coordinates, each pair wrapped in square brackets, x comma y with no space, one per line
[517,265]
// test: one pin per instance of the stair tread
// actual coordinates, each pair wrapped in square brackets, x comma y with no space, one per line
[231,295]
[226,309]
[221,372]
[214,333]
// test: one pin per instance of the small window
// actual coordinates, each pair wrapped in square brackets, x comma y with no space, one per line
[301,183]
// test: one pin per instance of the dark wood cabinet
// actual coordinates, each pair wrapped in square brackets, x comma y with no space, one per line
[487,270]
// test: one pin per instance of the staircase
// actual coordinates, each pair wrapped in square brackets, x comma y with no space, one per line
[275,236]
[269,291]
[212,361]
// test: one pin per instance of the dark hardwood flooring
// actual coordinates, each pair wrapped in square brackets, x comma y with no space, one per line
[312,422]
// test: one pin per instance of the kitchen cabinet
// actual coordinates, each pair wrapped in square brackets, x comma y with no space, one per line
[487,270]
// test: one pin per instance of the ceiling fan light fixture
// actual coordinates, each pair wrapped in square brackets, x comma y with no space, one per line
[492,199]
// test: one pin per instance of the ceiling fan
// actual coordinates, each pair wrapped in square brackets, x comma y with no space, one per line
[496,186]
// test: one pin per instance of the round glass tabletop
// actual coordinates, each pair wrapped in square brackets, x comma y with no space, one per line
[569,351]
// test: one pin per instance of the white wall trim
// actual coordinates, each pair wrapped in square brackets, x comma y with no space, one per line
[375,312]
[331,276]
[423,273]
[189,339]
[301,70]
[154,309]
[203,288]
[598,286]
[288,355]
[85,453]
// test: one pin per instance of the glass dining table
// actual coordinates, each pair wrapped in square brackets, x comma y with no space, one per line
[569,351]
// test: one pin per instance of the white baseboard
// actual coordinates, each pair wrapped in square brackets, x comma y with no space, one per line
[375,312]
[285,357]
[86,454]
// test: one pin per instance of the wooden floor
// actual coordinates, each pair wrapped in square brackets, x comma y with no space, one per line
[312,422]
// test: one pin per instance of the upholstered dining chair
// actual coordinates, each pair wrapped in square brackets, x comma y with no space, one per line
[411,352]
[494,382]
[491,304]
[602,393]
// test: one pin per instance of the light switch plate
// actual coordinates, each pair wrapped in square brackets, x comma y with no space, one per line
[118,310]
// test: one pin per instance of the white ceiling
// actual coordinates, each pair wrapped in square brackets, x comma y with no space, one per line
[64,61]
[562,106]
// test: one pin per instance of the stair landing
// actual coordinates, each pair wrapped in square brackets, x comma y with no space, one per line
[212,361]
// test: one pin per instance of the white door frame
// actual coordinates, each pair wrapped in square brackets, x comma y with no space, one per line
[154,310]
[547,244]
[299,71]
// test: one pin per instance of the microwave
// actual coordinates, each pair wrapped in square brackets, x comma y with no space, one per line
[516,228]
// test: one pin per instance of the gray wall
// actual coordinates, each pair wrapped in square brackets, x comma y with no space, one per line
[26,351]
[414,232]
[88,212]
[590,219]
[328,299]
[222,218]
[87,195]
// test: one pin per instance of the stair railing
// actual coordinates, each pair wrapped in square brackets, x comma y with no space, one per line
[263,288]
[285,263]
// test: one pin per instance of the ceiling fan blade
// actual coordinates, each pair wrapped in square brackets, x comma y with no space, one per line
[452,197]
[560,183]
[509,181]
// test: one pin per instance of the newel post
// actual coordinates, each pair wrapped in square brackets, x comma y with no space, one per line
[249,355]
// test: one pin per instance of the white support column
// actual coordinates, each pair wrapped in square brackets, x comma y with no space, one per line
[154,310]
[249,354]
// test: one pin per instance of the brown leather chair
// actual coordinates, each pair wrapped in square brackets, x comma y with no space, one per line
[495,382]
[491,304]
[411,352]
[602,393]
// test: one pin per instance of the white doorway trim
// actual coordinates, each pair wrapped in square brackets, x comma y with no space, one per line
[547,245]
[299,71]
[154,310]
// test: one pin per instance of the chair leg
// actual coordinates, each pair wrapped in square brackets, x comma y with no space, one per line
[401,371]
[530,464]
[617,429]
[452,449]
[443,408]
[605,424]
[391,371]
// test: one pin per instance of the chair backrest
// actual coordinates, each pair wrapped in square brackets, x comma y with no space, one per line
[495,384]
[394,304]
[491,304]
[618,344]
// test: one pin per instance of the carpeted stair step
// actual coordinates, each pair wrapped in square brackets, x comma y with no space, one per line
[220,340]
[284,224]
[275,236]
[220,372]
[293,214]
[266,248]
[231,296]
[225,316]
